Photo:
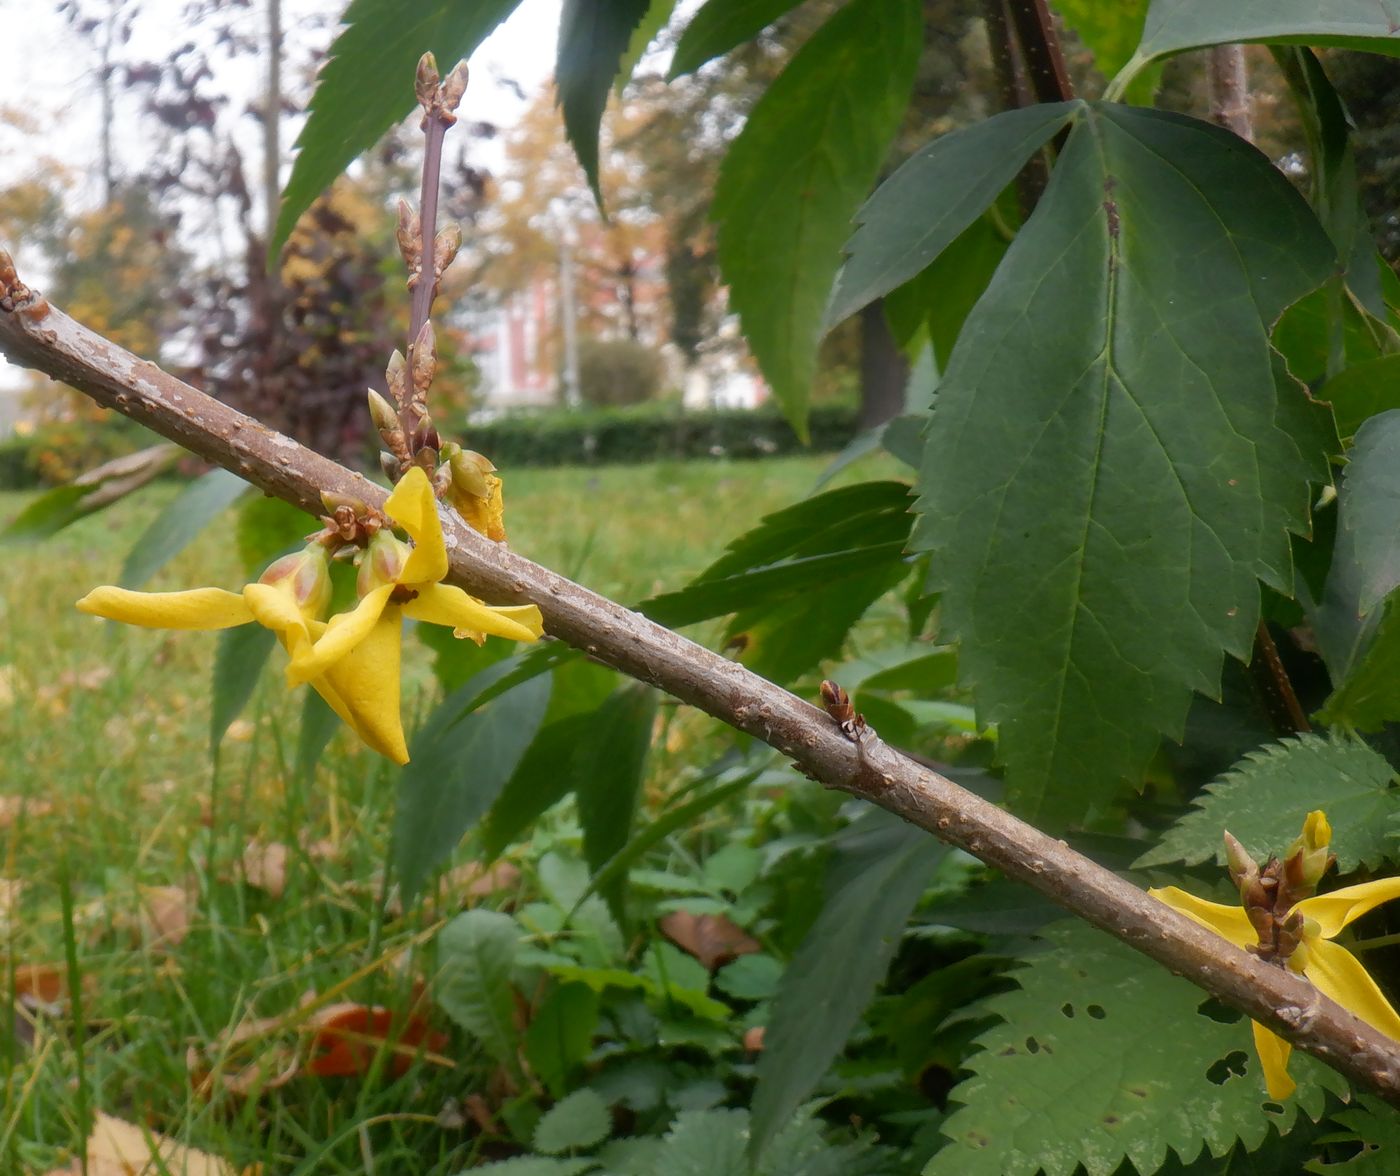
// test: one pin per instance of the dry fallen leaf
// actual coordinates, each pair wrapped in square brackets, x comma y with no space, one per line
[239,731]
[472,880]
[265,866]
[119,1148]
[753,1039]
[714,940]
[165,915]
[12,808]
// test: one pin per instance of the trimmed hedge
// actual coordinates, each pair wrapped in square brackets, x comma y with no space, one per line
[622,436]
[583,437]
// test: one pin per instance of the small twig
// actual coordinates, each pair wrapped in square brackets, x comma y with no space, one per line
[37,336]
[1228,81]
[1271,676]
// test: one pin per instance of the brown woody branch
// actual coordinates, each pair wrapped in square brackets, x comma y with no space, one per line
[36,336]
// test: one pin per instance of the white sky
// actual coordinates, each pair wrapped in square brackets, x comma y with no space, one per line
[51,75]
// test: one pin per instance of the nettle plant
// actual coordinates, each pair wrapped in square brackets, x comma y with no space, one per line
[1145,590]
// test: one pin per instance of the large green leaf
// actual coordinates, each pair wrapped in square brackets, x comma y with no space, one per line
[579,1120]
[608,779]
[1263,801]
[1375,1127]
[802,164]
[593,37]
[933,198]
[1105,1056]
[476,953]
[458,769]
[1369,696]
[366,85]
[1109,467]
[722,25]
[879,868]
[1371,494]
[1174,26]
[560,1036]
[179,524]
[238,661]
[1363,390]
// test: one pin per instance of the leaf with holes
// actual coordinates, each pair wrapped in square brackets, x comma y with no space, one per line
[1104,1056]
[1109,465]
[790,182]
[1263,801]
[1376,1127]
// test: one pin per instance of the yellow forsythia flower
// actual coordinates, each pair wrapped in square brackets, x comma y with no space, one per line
[1334,970]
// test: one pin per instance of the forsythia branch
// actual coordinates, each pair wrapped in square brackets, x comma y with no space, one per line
[38,336]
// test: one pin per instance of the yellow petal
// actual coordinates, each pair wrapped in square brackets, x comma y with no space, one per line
[1273,1054]
[198,608]
[366,682]
[1339,974]
[1229,922]
[274,607]
[344,632]
[446,604]
[1334,911]
[413,505]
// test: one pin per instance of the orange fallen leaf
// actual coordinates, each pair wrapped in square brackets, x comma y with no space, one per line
[265,866]
[119,1148]
[349,1035]
[753,1039]
[714,940]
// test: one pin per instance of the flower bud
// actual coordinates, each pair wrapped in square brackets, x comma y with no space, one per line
[409,234]
[469,470]
[385,419]
[1244,870]
[445,246]
[425,81]
[305,574]
[424,360]
[383,562]
[396,374]
[1308,857]
[454,86]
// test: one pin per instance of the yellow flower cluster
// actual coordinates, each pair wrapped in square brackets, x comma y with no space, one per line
[353,659]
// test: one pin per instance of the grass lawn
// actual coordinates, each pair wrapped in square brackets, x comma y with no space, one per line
[139,874]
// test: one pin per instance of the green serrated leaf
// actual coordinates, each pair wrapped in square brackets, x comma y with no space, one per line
[656,19]
[722,25]
[1105,1056]
[790,182]
[879,868]
[1263,801]
[458,769]
[1361,391]
[1369,696]
[593,36]
[238,661]
[1376,1127]
[608,779]
[934,198]
[1146,471]
[177,526]
[560,1036]
[579,1121]
[1371,494]
[366,85]
[542,779]
[705,1143]
[476,952]
[537,1166]
[938,300]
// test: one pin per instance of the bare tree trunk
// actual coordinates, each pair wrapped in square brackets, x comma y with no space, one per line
[1228,81]
[272,117]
